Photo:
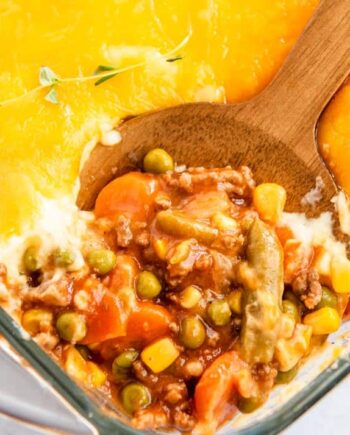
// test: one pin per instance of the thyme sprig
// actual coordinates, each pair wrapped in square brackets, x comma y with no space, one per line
[50,81]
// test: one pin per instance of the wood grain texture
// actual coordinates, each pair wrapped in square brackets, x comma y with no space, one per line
[273,133]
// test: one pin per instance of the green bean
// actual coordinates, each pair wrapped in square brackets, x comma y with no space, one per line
[134,397]
[31,259]
[286,377]
[219,312]
[329,299]
[148,285]
[71,327]
[102,261]
[192,332]
[291,309]
[158,161]
[262,304]
[180,226]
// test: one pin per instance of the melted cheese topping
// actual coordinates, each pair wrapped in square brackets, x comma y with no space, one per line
[230,49]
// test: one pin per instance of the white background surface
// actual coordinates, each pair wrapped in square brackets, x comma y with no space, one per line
[331,415]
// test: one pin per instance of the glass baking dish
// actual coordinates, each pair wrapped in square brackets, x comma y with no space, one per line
[322,370]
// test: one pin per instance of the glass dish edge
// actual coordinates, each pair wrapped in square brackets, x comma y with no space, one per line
[75,396]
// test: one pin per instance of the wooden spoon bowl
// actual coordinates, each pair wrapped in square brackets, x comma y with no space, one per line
[274,134]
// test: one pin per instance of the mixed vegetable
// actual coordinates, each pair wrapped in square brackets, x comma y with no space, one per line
[194,300]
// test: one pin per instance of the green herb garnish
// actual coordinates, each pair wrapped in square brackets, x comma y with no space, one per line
[51,96]
[104,68]
[47,77]
[174,59]
[105,78]
[50,80]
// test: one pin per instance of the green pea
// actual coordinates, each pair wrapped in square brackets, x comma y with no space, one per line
[286,377]
[246,406]
[63,258]
[126,359]
[329,299]
[219,312]
[291,310]
[31,259]
[290,296]
[158,161]
[71,327]
[192,332]
[148,285]
[135,396]
[101,261]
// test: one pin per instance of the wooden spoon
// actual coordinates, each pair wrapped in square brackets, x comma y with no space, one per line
[273,133]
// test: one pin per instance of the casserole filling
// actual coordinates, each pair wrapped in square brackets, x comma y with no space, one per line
[191,295]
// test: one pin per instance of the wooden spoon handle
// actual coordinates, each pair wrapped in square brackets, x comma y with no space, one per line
[320,61]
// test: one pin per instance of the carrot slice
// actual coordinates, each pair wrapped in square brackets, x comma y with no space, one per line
[224,377]
[148,323]
[131,194]
[106,321]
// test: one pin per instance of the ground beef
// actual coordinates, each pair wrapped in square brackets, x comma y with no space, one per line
[151,418]
[223,270]
[307,286]
[182,260]
[123,230]
[265,375]
[238,182]
[162,201]
[204,261]
[47,340]
[183,421]
[175,392]
[213,338]
[56,293]
[193,369]
[142,239]
[143,375]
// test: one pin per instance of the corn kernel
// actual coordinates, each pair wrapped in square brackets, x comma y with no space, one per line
[160,355]
[84,371]
[269,200]
[190,297]
[97,376]
[322,264]
[161,248]
[290,351]
[287,325]
[340,274]
[182,251]
[36,320]
[75,365]
[323,321]
[223,222]
[234,300]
